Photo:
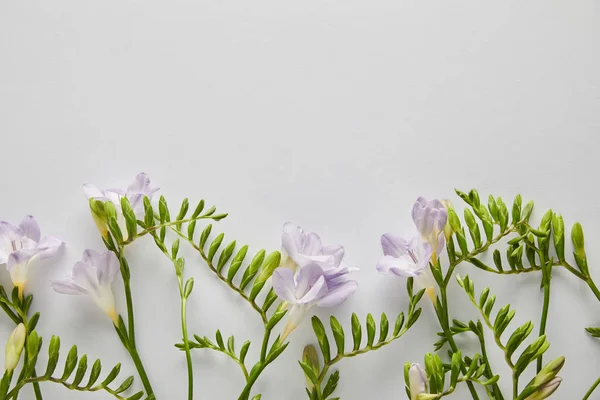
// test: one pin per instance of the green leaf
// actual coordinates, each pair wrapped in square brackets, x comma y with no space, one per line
[493,208]
[198,209]
[53,354]
[185,205]
[271,262]
[498,260]
[309,373]
[125,385]
[111,376]
[558,228]
[236,263]
[331,385]
[94,374]
[225,256]
[219,338]
[204,236]
[338,334]
[370,330]
[244,351]
[516,210]
[163,210]
[321,338]
[275,318]
[70,364]
[384,327]
[356,332]
[399,324]
[81,370]
[252,269]
[594,332]
[473,228]
[214,246]
[579,248]
[502,214]
[518,336]
[231,344]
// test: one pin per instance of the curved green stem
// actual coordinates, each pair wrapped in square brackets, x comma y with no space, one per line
[589,392]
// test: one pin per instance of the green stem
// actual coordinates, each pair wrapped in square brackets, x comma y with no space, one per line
[515,384]
[251,380]
[131,345]
[497,394]
[186,343]
[546,275]
[589,392]
[265,345]
[443,319]
[593,286]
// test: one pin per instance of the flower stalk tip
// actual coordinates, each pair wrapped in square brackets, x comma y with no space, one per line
[14,347]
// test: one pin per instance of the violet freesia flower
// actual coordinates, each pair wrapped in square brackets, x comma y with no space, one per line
[299,249]
[93,277]
[22,246]
[309,286]
[407,259]
[430,217]
[417,381]
[135,193]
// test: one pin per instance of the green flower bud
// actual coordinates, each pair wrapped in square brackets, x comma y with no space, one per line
[99,215]
[14,347]
[448,231]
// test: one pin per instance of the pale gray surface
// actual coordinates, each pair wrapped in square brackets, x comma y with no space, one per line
[332,114]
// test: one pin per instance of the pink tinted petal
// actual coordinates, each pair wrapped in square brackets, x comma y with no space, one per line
[92,192]
[338,295]
[30,228]
[316,291]
[393,245]
[66,287]
[283,284]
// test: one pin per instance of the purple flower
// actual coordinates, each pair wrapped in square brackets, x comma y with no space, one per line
[21,246]
[430,217]
[309,286]
[135,193]
[402,258]
[300,249]
[93,277]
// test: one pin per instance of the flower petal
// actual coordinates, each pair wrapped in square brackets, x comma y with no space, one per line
[338,295]
[84,275]
[403,266]
[306,278]
[107,268]
[393,245]
[292,238]
[337,251]
[283,284]
[312,245]
[67,287]
[140,183]
[316,291]
[30,228]
[92,192]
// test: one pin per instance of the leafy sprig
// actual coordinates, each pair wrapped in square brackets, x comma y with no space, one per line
[504,316]
[322,384]
[72,364]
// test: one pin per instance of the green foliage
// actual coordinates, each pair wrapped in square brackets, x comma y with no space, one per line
[323,384]
[74,366]
[500,323]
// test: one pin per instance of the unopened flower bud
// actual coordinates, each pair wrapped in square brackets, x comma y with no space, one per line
[546,389]
[14,347]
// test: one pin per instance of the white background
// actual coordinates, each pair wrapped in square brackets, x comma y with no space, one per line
[332,114]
